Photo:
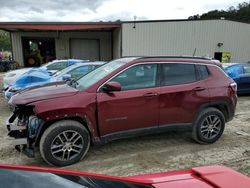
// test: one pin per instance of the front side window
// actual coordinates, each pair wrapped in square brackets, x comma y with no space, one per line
[101,72]
[138,77]
[177,73]
[80,71]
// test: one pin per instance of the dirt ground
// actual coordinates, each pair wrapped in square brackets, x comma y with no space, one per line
[164,152]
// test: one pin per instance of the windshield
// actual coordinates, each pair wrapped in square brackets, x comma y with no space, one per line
[22,178]
[101,72]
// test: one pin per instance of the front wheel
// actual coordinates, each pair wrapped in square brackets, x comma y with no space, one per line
[64,143]
[208,126]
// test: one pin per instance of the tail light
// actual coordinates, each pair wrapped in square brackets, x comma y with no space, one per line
[233,86]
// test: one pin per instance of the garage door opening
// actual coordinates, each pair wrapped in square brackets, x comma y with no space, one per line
[85,49]
[37,51]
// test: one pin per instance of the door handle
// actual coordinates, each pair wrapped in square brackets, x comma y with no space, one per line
[150,95]
[198,89]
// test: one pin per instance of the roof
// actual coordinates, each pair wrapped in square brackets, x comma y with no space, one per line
[185,20]
[69,26]
[58,26]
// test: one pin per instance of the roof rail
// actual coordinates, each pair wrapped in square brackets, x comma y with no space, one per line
[185,57]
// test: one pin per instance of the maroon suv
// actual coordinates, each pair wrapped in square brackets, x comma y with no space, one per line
[123,98]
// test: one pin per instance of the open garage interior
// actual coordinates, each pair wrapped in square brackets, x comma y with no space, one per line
[37,51]
[36,43]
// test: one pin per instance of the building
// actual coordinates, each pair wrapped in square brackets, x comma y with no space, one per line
[223,39]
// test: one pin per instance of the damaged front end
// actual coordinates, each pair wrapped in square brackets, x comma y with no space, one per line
[23,127]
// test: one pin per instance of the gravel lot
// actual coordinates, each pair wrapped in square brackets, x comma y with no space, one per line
[164,152]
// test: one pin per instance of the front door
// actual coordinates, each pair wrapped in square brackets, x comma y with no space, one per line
[136,106]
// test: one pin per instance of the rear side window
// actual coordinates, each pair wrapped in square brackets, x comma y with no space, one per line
[202,72]
[58,65]
[247,69]
[177,73]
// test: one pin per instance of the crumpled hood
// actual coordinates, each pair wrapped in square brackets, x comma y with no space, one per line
[48,91]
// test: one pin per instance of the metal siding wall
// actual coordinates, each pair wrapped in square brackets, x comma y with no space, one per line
[182,37]
[117,43]
[17,47]
[62,44]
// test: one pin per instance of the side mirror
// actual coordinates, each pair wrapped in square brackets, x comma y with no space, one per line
[112,86]
[66,77]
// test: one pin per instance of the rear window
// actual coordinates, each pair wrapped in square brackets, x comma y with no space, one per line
[31,179]
[177,73]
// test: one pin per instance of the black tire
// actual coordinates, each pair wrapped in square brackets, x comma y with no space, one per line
[54,139]
[202,128]
[33,61]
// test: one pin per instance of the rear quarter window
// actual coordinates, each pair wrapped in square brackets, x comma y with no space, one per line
[202,72]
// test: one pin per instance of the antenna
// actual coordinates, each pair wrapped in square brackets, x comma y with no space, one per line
[134,22]
[194,52]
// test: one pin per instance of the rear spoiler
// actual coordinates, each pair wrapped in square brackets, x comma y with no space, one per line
[222,177]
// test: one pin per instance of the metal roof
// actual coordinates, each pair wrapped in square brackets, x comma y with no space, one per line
[58,26]
[69,26]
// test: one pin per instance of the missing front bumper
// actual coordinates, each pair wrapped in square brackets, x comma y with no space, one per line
[23,133]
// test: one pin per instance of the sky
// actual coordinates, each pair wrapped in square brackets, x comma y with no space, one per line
[107,10]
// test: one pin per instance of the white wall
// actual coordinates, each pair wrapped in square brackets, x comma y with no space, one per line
[182,37]
[117,43]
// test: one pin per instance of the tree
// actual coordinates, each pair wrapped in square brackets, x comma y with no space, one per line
[5,43]
[239,13]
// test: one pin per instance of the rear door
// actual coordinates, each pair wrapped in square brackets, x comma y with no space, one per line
[182,93]
[136,106]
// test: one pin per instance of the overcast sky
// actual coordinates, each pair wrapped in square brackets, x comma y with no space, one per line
[106,10]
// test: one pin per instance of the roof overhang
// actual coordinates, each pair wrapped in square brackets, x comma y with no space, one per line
[51,26]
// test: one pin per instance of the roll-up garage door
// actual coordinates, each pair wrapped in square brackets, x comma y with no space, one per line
[85,49]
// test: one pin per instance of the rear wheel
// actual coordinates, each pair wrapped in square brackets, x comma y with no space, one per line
[64,143]
[209,126]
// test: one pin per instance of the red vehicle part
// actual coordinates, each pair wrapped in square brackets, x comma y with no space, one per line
[140,96]
[197,177]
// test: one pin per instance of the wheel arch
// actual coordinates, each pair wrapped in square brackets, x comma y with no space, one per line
[47,124]
[219,105]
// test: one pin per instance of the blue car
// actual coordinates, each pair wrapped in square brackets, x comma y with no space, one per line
[36,76]
[240,72]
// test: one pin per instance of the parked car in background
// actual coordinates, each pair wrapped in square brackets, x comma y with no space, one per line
[197,177]
[76,71]
[123,98]
[36,77]
[52,67]
[240,72]
[31,78]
